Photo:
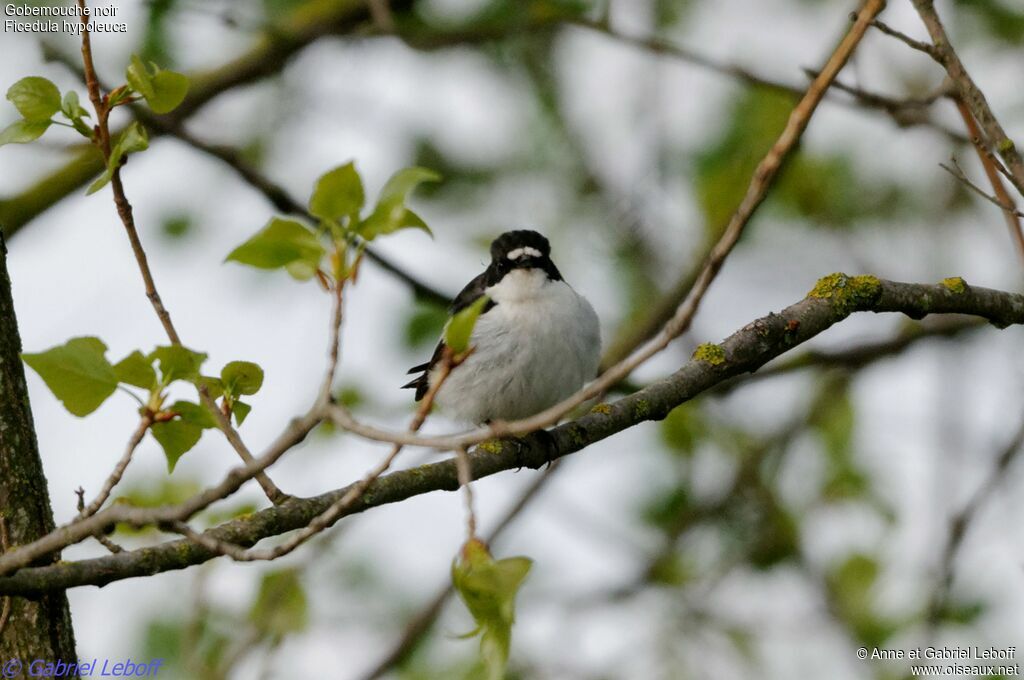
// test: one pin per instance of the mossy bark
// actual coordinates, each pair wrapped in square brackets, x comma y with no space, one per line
[38,628]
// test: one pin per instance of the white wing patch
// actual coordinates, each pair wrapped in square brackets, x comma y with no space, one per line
[525,250]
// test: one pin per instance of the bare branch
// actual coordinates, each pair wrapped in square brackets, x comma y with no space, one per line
[1002,198]
[904,38]
[118,472]
[995,138]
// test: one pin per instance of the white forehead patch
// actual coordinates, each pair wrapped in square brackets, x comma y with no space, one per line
[525,250]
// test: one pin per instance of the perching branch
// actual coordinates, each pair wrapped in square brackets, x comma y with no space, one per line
[832,300]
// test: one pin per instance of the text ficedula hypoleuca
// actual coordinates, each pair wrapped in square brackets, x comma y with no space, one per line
[536,342]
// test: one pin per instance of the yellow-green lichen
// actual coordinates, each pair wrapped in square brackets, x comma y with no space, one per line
[642,409]
[847,293]
[492,446]
[577,436]
[1006,145]
[955,284]
[603,409]
[709,352]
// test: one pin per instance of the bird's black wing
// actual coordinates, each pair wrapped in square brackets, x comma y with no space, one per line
[467,296]
[470,294]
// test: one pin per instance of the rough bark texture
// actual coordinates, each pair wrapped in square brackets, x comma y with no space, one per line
[37,628]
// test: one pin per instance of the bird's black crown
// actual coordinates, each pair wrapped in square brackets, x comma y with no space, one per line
[511,241]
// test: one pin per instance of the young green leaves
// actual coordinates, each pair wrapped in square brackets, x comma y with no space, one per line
[131,140]
[282,243]
[390,213]
[337,201]
[460,328]
[338,194]
[77,373]
[488,587]
[162,90]
[37,100]
[80,376]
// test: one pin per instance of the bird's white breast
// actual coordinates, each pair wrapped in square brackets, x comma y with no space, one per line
[539,344]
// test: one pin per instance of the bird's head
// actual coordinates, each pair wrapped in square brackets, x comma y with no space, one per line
[523,251]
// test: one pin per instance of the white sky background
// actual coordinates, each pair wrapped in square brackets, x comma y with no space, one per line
[73,275]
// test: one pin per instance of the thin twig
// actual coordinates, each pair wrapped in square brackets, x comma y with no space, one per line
[1002,198]
[118,472]
[958,173]
[102,538]
[465,473]
[995,138]
[918,45]
[334,344]
[124,210]
[960,523]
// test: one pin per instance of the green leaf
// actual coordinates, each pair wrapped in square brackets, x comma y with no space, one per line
[241,377]
[460,328]
[390,214]
[402,183]
[301,270]
[36,98]
[70,106]
[214,387]
[75,113]
[193,413]
[77,373]
[240,410]
[178,363]
[162,90]
[382,223]
[169,90]
[177,438]
[338,193]
[488,588]
[281,606]
[280,243]
[23,131]
[135,369]
[138,77]
[131,140]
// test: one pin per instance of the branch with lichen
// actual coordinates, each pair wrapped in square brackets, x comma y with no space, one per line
[831,300]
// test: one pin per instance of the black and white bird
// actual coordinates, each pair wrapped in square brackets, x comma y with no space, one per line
[536,342]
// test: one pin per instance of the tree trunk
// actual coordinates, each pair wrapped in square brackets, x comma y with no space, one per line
[35,628]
